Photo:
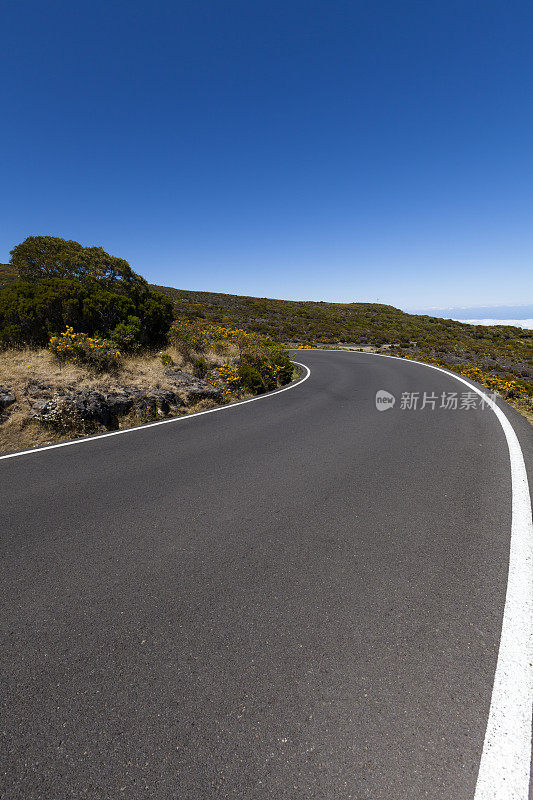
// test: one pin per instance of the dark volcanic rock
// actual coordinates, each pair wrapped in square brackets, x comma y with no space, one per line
[41,408]
[119,404]
[178,376]
[147,406]
[38,389]
[88,408]
[6,399]
[92,407]
[97,408]
[191,388]
[166,399]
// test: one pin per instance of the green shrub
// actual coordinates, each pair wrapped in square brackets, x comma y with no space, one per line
[270,363]
[200,367]
[250,378]
[258,364]
[166,360]
[98,354]
[127,335]
[31,312]
[188,339]
[283,365]
[39,257]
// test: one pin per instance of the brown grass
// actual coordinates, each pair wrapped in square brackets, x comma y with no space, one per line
[525,408]
[18,368]
[19,433]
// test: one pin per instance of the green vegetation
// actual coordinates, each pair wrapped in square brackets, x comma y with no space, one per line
[80,339]
[518,392]
[200,367]
[100,355]
[53,285]
[8,275]
[59,283]
[501,351]
[39,257]
[251,363]
[313,322]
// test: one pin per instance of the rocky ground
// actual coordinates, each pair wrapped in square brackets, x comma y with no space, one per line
[44,410]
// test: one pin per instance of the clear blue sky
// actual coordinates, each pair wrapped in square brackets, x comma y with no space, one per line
[317,150]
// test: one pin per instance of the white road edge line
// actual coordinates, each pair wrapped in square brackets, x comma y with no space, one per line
[506,758]
[138,428]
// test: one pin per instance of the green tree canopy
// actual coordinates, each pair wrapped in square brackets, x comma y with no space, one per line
[30,311]
[62,283]
[39,257]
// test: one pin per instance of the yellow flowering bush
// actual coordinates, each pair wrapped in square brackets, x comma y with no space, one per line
[255,363]
[229,380]
[509,388]
[90,351]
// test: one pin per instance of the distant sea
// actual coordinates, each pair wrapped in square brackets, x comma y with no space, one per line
[520,316]
[518,323]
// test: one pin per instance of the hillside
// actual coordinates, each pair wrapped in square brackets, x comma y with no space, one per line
[500,357]
[316,322]
[504,351]
[7,275]
[312,322]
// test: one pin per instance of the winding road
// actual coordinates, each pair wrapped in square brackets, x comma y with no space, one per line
[296,597]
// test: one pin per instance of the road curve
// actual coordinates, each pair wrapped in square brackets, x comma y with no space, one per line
[298,598]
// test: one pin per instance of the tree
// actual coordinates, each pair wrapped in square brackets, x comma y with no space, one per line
[30,312]
[39,257]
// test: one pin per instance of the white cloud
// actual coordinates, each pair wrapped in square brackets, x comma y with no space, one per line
[519,323]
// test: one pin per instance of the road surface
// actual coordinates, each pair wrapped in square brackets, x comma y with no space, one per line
[299,597]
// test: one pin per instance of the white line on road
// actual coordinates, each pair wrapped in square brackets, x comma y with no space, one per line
[161,422]
[506,758]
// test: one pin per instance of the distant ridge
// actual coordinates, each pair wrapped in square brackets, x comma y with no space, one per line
[313,322]
[8,274]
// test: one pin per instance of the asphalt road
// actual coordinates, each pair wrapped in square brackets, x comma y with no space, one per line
[299,597]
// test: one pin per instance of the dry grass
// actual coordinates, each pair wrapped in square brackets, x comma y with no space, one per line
[525,408]
[19,433]
[18,368]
